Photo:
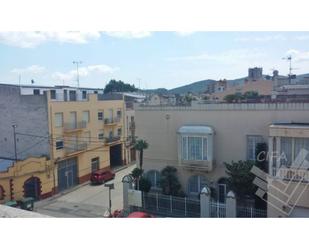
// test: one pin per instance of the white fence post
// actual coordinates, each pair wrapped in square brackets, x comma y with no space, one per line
[230,205]
[171,204]
[185,207]
[157,201]
[205,202]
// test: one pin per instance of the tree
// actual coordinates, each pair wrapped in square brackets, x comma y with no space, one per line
[230,98]
[240,179]
[169,182]
[251,95]
[119,86]
[136,174]
[141,145]
[144,184]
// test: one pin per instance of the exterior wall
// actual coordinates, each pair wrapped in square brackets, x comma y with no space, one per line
[14,178]
[263,87]
[94,146]
[29,113]
[231,123]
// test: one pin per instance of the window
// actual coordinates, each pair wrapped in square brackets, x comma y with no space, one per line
[196,184]
[95,92]
[194,148]
[101,135]
[252,141]
[84,94]
[86,116]
[59,144]
[95,164]
[53,94]
[72,95]
[154,177]
[36,91]
[119,132]
[59,119]
[119,113]
[100,115]
[286,151]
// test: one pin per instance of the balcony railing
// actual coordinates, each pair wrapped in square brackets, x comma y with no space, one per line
[112,121]
[74,126]
[130,141]
[72,148]
[202,165]
[113,139]
[132,125]
[293,174]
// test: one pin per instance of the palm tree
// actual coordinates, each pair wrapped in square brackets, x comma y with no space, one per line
[141,145]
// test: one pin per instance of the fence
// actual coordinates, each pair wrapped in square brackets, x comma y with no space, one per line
[250,212]
[171,206]
[217,209]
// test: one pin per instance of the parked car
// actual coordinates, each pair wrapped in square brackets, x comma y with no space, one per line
[140,215]
[101,176]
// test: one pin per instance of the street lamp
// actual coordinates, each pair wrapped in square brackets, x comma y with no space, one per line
[110,186]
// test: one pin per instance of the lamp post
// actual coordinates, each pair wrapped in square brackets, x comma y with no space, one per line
[110,186]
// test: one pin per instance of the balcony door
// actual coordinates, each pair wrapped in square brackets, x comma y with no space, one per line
[73,119]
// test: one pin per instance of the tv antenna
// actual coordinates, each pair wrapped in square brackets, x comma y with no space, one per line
[77,72]
[289,58]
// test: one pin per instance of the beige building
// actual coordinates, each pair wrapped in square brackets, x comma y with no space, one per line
[197,140]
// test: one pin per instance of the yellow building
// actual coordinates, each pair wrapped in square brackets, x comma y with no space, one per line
[27,177]
[78,131]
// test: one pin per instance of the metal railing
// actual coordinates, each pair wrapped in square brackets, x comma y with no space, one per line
[109,121]
[72,148]
[73,126]
[112,139]
[217,209]
[250,212]
[170,206]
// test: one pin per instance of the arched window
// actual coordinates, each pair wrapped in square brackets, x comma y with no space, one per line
[154,177]
[195,184]
[1,193]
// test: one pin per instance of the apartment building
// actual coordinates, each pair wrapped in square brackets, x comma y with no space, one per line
[197,140]
[76,130]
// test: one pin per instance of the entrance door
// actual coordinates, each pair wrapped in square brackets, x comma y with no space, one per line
[67,174]
[115,153]
[95,164]
[32,188]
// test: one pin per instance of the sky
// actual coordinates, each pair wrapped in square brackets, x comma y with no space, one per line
[146,59]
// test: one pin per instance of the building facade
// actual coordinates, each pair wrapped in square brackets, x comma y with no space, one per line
[77,131]
[198,140]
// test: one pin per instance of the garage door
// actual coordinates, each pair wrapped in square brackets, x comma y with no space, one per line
[67,174]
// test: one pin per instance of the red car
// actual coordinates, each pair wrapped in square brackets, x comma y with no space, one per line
[101,176]
[140,215]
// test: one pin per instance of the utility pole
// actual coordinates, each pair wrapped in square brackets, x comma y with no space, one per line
[77,72]
[289,58]
[15,148]
[110,187]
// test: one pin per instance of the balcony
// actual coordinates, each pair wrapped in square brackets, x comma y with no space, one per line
[74,127]
[75,148]
[206,166]
[293,174]
[111,140]
[112,121]
[130,141]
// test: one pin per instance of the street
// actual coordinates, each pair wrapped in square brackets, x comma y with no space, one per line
[85,200]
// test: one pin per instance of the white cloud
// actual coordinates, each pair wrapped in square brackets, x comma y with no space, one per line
[33,39]
[34,69]
[84,71]
[129,34]
[264,38]
[298,56]
[229,56]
